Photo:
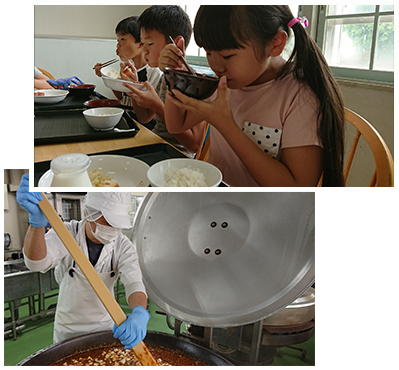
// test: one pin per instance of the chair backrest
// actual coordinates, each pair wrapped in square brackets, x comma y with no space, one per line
[203,153]
[384,168]
[47,74]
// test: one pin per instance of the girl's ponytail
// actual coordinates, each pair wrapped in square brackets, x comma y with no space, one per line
[310,66]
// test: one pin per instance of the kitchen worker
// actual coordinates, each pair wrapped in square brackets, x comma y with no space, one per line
[99,234]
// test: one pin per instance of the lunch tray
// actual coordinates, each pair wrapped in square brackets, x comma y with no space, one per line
[70,102]
[149,154]
[68,126]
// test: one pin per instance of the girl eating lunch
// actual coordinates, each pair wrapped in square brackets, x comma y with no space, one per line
[273,122]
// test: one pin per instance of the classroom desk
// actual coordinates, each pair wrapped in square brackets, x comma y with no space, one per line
[143,137]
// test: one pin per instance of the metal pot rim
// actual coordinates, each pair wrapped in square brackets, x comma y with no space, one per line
[70,346]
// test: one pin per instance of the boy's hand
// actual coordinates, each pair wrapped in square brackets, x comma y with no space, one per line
[97,69]
[129,72]
[170,55]
[146,99]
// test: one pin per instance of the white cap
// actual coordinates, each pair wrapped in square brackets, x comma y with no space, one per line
[114,206]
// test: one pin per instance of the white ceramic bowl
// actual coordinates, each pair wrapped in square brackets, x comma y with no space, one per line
[103,118]
[51,96]
[112,71]
[156,173]
[115,83]
[126,171]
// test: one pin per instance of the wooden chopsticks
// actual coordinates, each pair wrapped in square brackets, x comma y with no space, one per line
[189,68]
[108,63]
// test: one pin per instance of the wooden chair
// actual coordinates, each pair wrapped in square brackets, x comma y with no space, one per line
[384,168]
[47,74]
[203,153]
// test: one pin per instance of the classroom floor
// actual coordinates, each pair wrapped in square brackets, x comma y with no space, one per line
[38,334]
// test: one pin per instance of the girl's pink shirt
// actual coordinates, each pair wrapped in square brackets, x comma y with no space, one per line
[275,115]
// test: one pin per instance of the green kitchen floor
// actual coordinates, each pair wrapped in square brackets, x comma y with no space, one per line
[38,334]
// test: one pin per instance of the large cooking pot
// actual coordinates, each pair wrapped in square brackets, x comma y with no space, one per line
[298,312]
[59,351]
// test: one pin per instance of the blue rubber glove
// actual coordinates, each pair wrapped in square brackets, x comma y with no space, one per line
[134,328]
[29,201]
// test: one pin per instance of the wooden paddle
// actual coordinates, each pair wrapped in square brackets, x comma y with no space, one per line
[141,351]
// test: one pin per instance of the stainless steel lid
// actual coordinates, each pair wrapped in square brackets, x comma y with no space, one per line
[222,258]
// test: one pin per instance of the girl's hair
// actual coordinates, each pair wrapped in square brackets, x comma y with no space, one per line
[129,25]
[169,20]
[230,27]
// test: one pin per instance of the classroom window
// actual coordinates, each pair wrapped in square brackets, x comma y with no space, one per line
[358,40]
[193,50]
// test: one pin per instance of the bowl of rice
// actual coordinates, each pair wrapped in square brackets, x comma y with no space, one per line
[112,71]
[112,79]
[184,172]
[103,118]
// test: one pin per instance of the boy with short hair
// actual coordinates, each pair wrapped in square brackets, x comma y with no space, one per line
[129,47]
[157,23]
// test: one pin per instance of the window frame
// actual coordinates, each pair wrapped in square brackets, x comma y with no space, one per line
[355,73]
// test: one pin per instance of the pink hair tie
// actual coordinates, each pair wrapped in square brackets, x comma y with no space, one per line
[303,21]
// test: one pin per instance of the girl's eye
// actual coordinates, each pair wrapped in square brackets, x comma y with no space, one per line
[226,57]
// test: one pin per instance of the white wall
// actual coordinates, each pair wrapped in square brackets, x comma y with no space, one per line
[15,218]
[86,21]
[15,222]
[374,102]
[70,57]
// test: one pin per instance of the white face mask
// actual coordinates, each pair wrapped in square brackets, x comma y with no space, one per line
[105,234]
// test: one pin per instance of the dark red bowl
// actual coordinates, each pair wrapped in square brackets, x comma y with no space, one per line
[195,86]
[102,103]
[81,91]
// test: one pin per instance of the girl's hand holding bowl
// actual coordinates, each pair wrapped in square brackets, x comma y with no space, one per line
[216,112]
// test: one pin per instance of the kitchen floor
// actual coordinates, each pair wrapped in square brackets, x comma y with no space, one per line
[38,334]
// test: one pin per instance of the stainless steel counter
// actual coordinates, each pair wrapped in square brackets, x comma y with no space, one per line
[15,267]
[19,283]
[27,283]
